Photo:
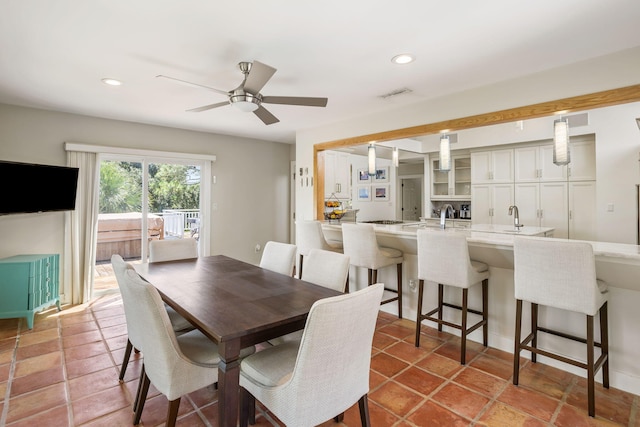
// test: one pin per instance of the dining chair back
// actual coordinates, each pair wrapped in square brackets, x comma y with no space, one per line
[134,333]
[279,257]
[309,236]
[326,268]
[174,365]
[172,249]
[561,274]
[310,383]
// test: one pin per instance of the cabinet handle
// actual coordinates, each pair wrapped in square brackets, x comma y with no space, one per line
[568,171]
[490,175]
[541,213]
[570,214]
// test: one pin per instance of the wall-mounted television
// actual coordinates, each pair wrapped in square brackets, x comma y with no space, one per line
[29,187]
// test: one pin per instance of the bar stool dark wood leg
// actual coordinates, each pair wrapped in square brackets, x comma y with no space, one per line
[463,344]
[419,317]
[604,343]
[517,340]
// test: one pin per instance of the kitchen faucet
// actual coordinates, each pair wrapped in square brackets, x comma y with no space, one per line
[443,214]
[516,217]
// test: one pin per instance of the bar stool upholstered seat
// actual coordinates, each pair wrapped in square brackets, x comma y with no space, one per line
[560,274]
[361,245]
[443,258]
[309,236]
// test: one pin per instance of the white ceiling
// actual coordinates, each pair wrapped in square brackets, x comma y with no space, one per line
[53,54]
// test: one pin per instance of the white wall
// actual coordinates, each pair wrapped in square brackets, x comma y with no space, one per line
[617,137]
[252,190]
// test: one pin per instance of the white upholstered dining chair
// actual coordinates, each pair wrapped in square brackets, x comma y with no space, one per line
[324,268]
[279,257]
[172,249]
[175,364]
[307,384]
[309,236]
[561,274]
[134,340]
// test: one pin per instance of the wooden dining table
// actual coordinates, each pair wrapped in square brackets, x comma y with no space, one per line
[235,304]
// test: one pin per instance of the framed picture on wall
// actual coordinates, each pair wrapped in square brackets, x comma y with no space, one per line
[381,192]
[382,174]
[364,193]
[363,176]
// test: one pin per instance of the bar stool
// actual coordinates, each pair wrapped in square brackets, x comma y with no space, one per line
[443,257]
[360,244]
[309,236]
[561,274]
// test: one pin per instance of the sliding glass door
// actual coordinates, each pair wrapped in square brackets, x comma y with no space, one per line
[143,199]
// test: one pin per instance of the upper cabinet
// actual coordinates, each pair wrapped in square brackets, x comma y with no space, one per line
[583,161]
[337,175]
[535,164]
[454,184]
[492,167]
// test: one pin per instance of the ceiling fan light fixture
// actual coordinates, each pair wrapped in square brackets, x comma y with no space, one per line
[244,101]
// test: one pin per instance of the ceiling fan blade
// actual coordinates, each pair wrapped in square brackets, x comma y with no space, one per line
[265,116]
[223,92]
[258,76]
[295,100]
[208,107]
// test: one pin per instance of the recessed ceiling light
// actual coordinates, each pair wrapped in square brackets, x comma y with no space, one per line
[403,58]
[111,82]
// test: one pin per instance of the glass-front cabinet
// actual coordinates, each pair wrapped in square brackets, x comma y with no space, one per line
[454,184]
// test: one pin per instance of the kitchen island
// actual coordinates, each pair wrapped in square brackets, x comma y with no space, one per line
[617,264]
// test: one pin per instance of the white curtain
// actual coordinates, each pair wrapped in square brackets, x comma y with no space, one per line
[81,228]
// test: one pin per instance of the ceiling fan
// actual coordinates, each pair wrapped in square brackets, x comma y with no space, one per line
[247,96]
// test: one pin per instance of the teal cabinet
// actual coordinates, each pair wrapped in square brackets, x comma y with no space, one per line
[28,284]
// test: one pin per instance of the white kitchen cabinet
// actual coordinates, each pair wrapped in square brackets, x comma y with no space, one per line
[543,205]
[492,167]
[582,166]
[535,164]
[337,175]
[582,210]
[490,203]
[454,184]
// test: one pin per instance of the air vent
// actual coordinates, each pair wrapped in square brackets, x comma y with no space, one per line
[578,120]
[396,93]
[453,138]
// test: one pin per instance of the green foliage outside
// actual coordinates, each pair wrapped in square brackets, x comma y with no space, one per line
[170,187]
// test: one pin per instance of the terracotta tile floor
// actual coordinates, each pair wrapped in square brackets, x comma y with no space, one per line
[64,372]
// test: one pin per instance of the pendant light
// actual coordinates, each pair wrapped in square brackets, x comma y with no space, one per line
[445,153]
[372,160]
[561,154]
[396,160]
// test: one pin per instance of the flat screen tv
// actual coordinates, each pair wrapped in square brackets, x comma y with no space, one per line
[29,187]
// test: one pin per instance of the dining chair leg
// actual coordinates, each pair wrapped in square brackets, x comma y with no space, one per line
[144,389]
[363,404]
[138,392]
[399,268]
[125,361]
[247,408]
[339,418]
[463,343]
[172,412]
[419,317]
[517,338]
[346,285]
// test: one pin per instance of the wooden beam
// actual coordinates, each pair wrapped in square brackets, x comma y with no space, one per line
[566,105]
